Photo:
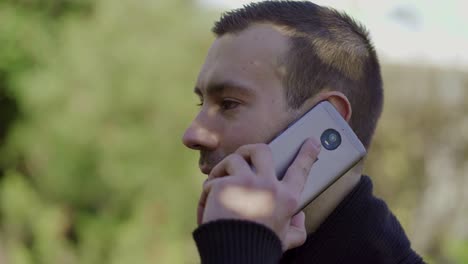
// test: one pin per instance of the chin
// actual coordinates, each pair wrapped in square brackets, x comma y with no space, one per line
[205,169]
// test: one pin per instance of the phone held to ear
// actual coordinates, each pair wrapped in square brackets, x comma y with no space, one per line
[341,149]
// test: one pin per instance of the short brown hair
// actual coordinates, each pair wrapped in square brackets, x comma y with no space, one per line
[329,50]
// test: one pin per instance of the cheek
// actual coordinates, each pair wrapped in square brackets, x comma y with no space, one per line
[259,125]
[241,135]
[271,119]
[252,131]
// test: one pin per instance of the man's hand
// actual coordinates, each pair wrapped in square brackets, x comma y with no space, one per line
[257,195]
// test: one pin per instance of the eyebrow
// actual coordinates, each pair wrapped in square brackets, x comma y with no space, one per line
[222,87]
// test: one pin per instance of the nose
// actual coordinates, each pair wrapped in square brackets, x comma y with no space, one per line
[200,137]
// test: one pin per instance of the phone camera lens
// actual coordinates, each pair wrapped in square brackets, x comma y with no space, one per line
[330,139]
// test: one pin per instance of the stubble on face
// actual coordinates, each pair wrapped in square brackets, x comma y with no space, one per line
[208,160]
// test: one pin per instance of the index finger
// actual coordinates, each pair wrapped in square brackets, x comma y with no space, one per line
[261,158]
[232,164]
[297,173]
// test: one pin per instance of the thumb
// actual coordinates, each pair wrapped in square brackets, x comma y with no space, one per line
[297,234]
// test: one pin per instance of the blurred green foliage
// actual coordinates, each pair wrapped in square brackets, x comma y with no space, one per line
[94,171]
[94,97]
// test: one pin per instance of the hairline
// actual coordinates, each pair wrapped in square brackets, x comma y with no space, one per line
[281,60]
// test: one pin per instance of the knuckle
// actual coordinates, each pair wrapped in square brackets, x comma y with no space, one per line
[307,155]
[214,171]
[271,186]
[304,170]
[302,167]
[267,150]
[299,170]
[235,157]
[255,148]
[262,147]
[243,148]
[248,181]
[292,202]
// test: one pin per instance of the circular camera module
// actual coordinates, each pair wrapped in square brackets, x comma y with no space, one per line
[330,139]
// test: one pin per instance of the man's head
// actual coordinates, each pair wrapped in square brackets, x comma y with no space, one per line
[270,63]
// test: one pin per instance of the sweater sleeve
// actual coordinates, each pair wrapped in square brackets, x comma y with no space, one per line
[237,241]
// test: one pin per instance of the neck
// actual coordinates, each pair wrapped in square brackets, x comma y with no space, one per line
[319,209]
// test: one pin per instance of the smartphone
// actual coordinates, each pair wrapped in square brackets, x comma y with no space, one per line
[341,149]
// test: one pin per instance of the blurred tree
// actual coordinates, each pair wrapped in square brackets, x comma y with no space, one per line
[102,114]
[23,22]
[50,9]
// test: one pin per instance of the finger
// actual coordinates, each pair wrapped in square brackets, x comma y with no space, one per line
[207,188]
[201,204]
[297,173]
[232,164]
[200,211]
[297,234]
[207,185]
[260,157]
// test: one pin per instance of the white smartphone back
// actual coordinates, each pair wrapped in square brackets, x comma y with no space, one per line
[324,123]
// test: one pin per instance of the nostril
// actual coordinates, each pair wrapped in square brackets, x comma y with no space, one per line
[196,146]
[191,142]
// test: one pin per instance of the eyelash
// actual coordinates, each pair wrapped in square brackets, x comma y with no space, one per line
[223,104]
[228,102]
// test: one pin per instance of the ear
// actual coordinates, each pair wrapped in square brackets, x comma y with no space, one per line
[339,101]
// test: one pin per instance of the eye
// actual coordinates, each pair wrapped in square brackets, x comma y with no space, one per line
[228,104]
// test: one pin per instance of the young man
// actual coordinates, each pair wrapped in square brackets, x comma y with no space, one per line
[270,63]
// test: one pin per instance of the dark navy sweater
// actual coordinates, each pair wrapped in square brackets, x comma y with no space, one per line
[360,230]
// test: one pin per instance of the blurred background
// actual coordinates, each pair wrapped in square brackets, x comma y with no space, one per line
[95,96]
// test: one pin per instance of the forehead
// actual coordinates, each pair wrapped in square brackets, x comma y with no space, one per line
[252,57]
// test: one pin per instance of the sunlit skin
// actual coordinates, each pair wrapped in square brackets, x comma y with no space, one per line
[247,203]
[243,106]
